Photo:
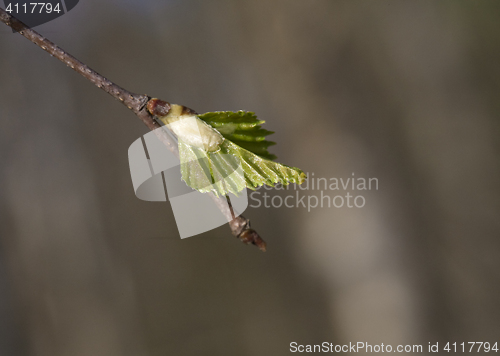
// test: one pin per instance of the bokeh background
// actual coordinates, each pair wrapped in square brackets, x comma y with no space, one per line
[404,91]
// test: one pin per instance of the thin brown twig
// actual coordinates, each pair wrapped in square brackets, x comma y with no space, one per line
[240,226]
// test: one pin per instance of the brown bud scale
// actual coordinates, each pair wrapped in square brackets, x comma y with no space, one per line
[158,107]
[251,236]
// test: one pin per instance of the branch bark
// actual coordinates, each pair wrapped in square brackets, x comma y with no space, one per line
[240,226]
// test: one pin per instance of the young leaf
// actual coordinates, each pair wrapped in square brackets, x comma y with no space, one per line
[243,129]
[223,152]
[259,171]
[207,171]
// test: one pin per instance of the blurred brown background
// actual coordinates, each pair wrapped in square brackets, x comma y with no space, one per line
[403,91]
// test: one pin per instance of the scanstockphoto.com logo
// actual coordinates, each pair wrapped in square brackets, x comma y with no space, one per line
[37,13]
[156,176]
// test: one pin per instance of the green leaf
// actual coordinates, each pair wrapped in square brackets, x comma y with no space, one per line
[259,171]
[220,172]
[242,160]
[243,128]
[230,121]
[210,172]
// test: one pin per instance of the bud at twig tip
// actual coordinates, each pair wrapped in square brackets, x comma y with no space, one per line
[251,236]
